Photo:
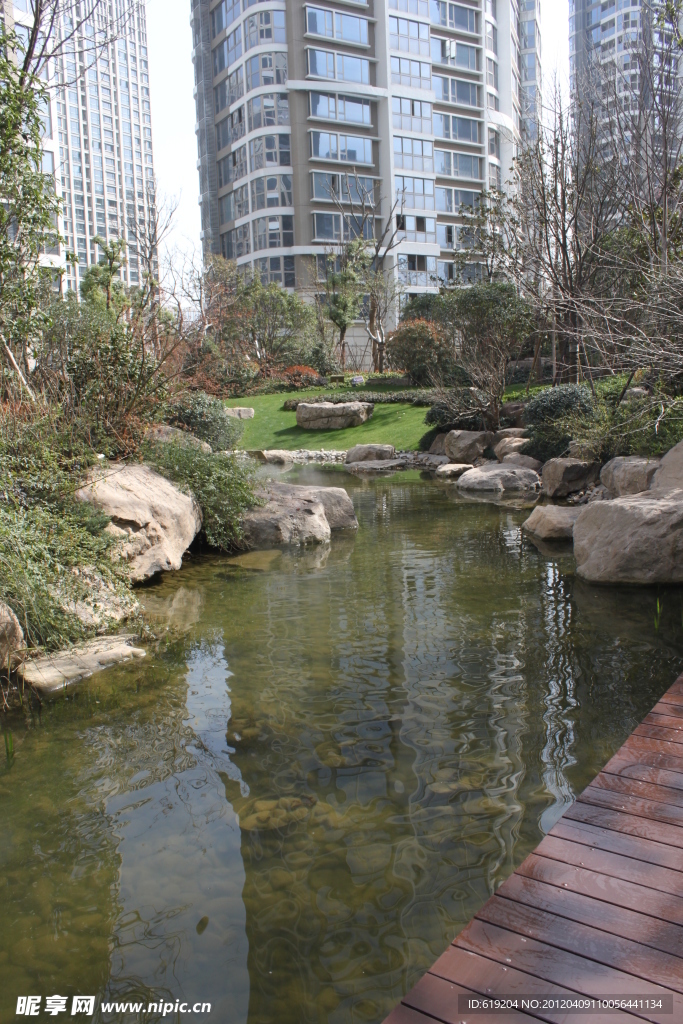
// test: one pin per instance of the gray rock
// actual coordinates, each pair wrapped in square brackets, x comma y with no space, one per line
[567,476]
[525,461]
[508,446]
[501,434]
[11,636]
[272,456]
[338,506]
[629,475]
[154,522]
[367,452]
[328,416]
[287,516]
[438,445]
[163,433]
[467,445]
[239,412]
[453,470]
[636,538]
[57,673]
[513,411]
[552,522]
[670,472]
[375,466]
[101,605]
[500,478]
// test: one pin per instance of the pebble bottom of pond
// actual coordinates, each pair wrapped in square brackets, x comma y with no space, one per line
[326,764]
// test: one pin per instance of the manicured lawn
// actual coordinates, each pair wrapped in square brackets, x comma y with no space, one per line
[272,427]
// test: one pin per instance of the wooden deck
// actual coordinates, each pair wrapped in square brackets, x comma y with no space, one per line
[596,910]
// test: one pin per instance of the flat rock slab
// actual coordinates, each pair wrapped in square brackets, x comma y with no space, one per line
[637,538]
[629,475]
[330,416]
[57,673]
[500,478]
[669,476]
[239,412]
[552,522]
[371,453]
[438,445]
[153,520]
[164,434]
[452,470]
[272,456]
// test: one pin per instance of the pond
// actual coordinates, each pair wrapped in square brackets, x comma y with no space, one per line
[327,764]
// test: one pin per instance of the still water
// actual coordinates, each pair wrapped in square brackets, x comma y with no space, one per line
[328,764]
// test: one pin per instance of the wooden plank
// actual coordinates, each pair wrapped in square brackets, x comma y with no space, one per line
[637,788]
[404,1015]
[621,821]
[664,708]
[670,700]
[645,743]
[662,719]
[655,732]
[556,964]
[571,954]
[618,842]
[616,865]
[651,931]
[657,775]
[648,809]
[490,978]
[439,998]
[603,887]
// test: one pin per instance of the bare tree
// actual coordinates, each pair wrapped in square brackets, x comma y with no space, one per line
[145,238]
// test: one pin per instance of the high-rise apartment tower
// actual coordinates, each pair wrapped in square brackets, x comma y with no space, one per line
[422,99]
[98,128]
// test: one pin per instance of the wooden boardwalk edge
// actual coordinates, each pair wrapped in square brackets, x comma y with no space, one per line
[595,912]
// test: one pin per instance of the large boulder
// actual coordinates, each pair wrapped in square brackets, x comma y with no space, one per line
[562,477]
[552,522]
[504,432]
[154,522]
[636,538]
[670,473]
[272,456]
[525,461]
[508,446]
[239,412]
[467,445]
[11,636]
[370,452]
[500,478]
[328,416]
[438,446]
[629,475]
[376,466]
[297,515]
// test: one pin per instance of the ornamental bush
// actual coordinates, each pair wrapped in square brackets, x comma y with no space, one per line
[423,350]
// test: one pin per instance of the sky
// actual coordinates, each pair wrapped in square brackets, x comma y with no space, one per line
[169,38]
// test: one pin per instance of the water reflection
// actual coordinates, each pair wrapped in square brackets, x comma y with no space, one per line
[291,807]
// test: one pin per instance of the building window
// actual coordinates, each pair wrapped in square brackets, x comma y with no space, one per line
[224,15]
[265,27]
[409,36]
[268,110]
[494,143]
[227,52]
[413,154]
[327,227]
[457,165]
[419,7]
[415,229]
[346,27]
[271,191]
[340,108]
[354,188]
[236,243]
[342,66]
[460,129]
[276,270]
[231,129]
[414,73]
[232,167]
[453,16]
[415,193]
[269,150]
[330,146]
[273,232]
[229,91]
[453,90]
[419,271]
[491,72]
[266,69]
[411,115]
[491,37]
[448,51]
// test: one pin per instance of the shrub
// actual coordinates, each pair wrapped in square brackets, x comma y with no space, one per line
[206,418]
[221,485]
[558,403]
[423,350]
